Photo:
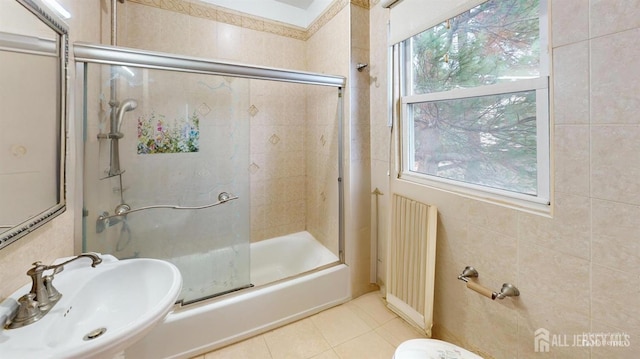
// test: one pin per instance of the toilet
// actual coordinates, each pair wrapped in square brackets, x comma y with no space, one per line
[431,349]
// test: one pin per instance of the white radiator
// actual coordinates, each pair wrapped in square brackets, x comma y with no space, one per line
[411,261]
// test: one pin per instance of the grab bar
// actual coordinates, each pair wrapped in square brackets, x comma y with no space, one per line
[123,209]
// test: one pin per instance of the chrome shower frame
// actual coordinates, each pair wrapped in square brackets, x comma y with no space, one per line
[117,56]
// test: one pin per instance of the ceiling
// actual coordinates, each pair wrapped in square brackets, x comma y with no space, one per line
[301,4]
[299,13]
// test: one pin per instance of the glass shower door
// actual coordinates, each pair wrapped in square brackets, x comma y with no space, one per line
[181,143]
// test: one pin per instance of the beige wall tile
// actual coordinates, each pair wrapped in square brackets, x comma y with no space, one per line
[616,228]
[49,242]
[571,84]
[571,159]
[614,61]
[205,43]
[608,17]
[613,175]
[141,27]
[359,27]
[229,36]
[624,342]
[542,272]
[495,266]
[569,21]
[560,323]
[614,300]
[492,326]
[497,218]
[567,232]
[447,317]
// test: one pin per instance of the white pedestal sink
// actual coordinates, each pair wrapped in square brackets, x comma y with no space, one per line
[102,311]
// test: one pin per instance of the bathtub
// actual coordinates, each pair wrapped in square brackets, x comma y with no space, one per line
[281,295]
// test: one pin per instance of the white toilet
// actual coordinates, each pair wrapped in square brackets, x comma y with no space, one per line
[431,349]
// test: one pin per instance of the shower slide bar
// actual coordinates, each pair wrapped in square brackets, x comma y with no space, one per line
[124,209]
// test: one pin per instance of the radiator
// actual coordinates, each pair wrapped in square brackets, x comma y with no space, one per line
[411,261]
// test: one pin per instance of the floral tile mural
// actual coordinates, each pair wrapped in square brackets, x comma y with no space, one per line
[156,134]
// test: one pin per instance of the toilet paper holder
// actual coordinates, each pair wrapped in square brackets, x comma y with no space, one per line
[507,290]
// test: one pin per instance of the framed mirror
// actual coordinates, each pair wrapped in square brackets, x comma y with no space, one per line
[33,115]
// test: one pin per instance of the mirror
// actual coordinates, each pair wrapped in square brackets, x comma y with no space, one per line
[33,75]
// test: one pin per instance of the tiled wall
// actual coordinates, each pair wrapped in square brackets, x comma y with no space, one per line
[322,137]
[179,178]
[332,45]
[359,197]
[577,270]
[277,163]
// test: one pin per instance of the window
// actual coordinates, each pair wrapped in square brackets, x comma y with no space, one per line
[475,106]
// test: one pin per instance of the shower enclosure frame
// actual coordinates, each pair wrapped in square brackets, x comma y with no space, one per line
[85,53]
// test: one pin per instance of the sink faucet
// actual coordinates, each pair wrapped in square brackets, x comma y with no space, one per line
[43,295]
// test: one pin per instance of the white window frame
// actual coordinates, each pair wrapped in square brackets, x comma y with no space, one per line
[537,203]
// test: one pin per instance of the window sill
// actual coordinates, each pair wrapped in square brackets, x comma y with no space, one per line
[516,202]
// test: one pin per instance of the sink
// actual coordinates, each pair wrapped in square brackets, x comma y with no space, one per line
[103,310]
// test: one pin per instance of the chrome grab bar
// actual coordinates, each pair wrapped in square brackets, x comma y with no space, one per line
[123,209]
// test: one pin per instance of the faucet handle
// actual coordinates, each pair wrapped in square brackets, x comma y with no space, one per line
[53,293]
[28,312]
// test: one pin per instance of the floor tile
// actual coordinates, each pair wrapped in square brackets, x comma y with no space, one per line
[374,305]
[254,348]
[397,331]
[329,354]
[369,345]
[340,324]
[299,340]
[363,328]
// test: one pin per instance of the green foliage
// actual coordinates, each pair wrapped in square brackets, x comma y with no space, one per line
[489,140]
[488,44]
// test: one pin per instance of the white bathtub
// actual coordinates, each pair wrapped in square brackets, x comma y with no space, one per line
[204,326]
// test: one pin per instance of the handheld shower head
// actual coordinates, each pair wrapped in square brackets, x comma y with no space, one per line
[115,134]
[126,106]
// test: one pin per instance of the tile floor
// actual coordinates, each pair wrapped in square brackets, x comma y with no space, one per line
[360,329]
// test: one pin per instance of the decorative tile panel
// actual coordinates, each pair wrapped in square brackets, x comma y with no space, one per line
[204,109]
[274,139]
[253,168]
[202,11]
[362,3]
[252,23]
[175,5]
[253,110]
[229,17]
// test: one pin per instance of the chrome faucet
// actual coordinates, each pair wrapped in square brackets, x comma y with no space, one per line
[43,295]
